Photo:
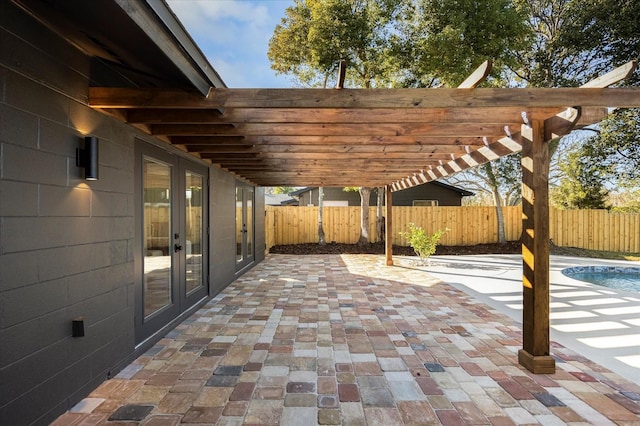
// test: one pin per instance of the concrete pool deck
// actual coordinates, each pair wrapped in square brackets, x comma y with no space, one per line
[597,322]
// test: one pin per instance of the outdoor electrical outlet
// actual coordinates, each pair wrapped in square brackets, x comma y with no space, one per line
[78,327]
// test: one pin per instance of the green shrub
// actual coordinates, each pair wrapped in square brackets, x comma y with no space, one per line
[424,245]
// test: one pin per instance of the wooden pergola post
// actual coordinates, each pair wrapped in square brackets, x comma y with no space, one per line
[535,354]
[388,226]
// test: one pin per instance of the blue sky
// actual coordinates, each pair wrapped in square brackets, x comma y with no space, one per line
[234,36]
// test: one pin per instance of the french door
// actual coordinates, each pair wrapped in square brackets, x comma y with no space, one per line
[171,248]
[244,226]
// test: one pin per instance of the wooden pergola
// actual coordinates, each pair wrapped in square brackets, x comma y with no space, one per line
[392,138]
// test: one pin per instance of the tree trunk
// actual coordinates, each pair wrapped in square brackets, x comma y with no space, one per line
[380,217]
[321,239]
[501,234]
[365,194]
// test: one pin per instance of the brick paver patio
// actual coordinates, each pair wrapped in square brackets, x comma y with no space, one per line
[305,340]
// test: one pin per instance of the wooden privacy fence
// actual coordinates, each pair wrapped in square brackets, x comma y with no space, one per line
[596,230]
[589,229]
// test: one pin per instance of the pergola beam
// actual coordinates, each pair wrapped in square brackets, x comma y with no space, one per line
[398,141]
[335,129]
[431,151]
[104,97]
[495,114]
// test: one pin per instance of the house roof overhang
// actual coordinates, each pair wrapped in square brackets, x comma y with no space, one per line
[133,43]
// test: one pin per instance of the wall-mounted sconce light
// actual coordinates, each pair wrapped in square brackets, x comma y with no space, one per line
[88,158]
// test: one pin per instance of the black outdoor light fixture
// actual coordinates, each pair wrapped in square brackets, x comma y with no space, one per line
[87,158]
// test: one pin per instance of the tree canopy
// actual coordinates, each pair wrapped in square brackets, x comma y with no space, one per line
[394,42]
[582,184]
[440,42]
[315,35]
[616,148]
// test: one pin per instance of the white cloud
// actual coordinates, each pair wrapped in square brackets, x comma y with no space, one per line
[234,36]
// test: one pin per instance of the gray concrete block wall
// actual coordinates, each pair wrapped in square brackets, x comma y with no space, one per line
[65,251]
[67,245]
[222,247]
[259,224]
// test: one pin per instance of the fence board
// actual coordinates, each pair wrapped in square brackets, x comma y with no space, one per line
[589,229]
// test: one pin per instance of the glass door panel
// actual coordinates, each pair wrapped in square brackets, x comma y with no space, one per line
[244,226]
[240,241]
[194,231]
[157,225]
[249,221]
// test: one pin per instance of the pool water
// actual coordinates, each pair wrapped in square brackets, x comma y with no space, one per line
[615,277]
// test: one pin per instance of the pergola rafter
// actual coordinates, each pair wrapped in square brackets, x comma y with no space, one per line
[396,138]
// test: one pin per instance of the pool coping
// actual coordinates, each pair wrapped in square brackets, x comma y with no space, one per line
[601,269]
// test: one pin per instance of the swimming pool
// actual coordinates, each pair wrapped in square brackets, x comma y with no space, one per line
[616,277]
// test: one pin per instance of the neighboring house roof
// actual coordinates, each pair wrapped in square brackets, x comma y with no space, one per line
[302,191]
[277,199]
[462,192]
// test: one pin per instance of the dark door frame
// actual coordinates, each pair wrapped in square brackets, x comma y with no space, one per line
[148,325]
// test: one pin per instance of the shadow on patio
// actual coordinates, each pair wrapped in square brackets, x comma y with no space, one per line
[304,340]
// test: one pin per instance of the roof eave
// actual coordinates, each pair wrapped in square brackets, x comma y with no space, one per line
[161,25]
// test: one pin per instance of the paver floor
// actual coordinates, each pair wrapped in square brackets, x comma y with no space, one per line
[306,340]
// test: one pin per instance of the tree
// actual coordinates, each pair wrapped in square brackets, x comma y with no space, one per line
[365,195]
[442,41]
[611,28]
[379,217]
[283,189]
[616,148]
[569,43]
[582,186]
[327,31]
[608,27]
[575,41]
[315,35]
[551,61]
[500,179]
[321,239]
[626,201]
[392,43]
[452,38]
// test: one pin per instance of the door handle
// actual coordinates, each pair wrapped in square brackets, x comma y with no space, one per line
[177,247]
